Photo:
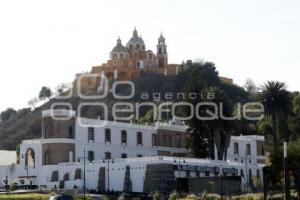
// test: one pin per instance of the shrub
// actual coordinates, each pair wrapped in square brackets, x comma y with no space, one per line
[192,197]
[174,195]
[156,196]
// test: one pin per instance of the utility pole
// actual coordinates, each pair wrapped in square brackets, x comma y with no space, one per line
[286,173]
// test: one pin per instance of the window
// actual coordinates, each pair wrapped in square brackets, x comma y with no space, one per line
[107,155]
[46,158]
[170,140]
[139,155]
[248,150]
[188,174]
[91,134]
[45,132]
[91,156]
[164,140]
[242,173]
[258,173]
[71,132]
[154,139]
[236,148]
[178,140]
[107,135]
[207,173]
[139,138]
[250,175]
[123,155]
[123,137]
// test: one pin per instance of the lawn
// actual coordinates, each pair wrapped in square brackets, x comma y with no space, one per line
[32,196]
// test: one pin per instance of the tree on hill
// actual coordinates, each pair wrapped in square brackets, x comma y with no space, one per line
[32,102]
[8,114]
[204,134]
[45,92]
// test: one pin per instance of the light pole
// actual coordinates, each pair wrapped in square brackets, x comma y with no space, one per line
[286,173]
[26,167]
[246,160]
[112,161]
[179,173]
[84,179]
[221,182]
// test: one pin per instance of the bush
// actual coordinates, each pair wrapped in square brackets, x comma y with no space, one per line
[156,196]
[192,197]
[174,195]
[13,187]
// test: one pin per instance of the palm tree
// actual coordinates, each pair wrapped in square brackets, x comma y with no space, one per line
[277,103]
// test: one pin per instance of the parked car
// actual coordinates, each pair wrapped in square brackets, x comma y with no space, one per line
[61,197]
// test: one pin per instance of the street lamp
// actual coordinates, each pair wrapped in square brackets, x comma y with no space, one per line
[246,160]
[179,173]
[221,182]
[286,173]
[104,161]
[84,179]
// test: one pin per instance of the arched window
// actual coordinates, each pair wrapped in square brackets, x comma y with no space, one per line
[30,158]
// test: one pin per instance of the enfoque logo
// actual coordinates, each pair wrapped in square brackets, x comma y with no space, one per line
[129,110]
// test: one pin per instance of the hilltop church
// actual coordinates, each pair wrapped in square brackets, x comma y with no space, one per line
[130,61]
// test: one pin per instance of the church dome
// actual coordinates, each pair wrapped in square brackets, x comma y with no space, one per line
[136,42]
[119,51]
[119,47]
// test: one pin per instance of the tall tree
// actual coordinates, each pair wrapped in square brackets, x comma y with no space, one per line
[202,78]
[8,114]
[45,93]
[250,87]
[277,103]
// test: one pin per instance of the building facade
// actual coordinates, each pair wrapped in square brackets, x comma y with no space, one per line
[126,157]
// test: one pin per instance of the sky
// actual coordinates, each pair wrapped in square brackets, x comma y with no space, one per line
[45,43]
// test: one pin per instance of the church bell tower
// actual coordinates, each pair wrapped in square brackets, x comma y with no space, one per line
[161,54]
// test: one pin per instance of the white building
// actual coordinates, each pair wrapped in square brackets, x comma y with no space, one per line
[124,156]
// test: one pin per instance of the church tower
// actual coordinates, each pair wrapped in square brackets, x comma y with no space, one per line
[161,54]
